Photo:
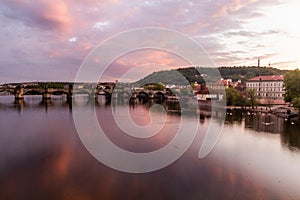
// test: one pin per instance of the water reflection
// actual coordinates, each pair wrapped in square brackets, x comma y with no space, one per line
[257,121]
[42,157]
[234,116]
[268,123]
[290,135]
[262,122]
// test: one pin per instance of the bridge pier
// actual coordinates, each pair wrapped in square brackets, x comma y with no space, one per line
[19,96]
[133,96]
[151,95]
[46,96]
[19,93]
[69,96]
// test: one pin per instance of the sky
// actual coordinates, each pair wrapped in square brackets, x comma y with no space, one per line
[44,40]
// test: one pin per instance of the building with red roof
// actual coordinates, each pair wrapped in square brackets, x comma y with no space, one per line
[267,87]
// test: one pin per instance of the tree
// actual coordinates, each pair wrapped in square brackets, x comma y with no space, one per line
[184,76]
[229,96]
[252,98]
[234,98]
[296,102]
[292,85]
[154,86]
[239,100]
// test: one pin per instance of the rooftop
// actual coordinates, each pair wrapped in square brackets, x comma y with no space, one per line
[267,78]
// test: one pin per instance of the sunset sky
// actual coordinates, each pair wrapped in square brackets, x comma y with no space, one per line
[48,40]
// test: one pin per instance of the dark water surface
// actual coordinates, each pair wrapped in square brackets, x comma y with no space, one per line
[42,157]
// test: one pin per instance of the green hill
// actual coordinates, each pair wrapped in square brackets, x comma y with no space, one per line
[184,76]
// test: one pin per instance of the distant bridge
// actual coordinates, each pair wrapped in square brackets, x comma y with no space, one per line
[106,89]
[21,90]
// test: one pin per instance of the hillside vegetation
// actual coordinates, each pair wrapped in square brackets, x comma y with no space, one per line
[184,76]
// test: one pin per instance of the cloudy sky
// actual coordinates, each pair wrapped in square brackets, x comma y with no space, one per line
[48,40]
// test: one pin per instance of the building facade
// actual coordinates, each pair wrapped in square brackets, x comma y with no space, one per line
[267,87]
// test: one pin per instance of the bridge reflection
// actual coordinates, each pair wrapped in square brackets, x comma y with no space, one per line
[256,121]
[92,90]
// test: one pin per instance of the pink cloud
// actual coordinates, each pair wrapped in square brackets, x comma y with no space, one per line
[229,7]
[37,33]
[43,14]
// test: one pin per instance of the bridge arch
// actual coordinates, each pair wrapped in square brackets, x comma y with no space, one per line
[59,92]
[122,95]
[33,92]
[7,91]
[108,87]
[82,91]
[143,96]
[159,95]
[106,93]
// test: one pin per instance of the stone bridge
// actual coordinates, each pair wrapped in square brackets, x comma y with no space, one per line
[142,94]
[92,91]
[21,90]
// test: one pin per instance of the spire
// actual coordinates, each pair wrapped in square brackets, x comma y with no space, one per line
[258,62]
[269,64]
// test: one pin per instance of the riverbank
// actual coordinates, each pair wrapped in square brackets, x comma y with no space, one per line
[280,111]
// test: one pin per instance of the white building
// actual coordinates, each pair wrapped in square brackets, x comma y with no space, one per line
[267,87]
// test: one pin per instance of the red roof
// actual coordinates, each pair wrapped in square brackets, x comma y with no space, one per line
[223,82]
[267,78]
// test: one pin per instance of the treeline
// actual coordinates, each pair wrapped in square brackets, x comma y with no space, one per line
[170,77]
[184,76]
[292,88]
[244,73]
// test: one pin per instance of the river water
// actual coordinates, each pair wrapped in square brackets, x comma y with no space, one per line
[42,156]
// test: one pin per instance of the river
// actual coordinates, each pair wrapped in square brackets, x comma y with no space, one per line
[42,156]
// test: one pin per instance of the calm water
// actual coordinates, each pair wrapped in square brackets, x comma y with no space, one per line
[42,157]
